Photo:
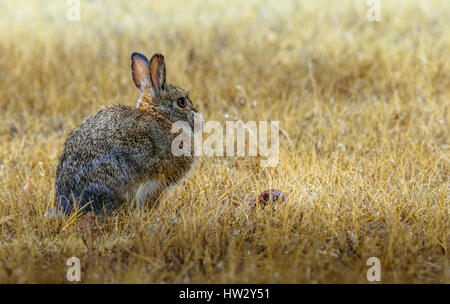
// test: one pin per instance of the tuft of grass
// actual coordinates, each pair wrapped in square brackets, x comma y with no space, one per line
[364,108]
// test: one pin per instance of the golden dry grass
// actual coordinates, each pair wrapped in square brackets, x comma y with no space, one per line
[365,105]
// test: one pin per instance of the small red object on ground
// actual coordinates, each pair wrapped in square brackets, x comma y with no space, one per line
[271,195]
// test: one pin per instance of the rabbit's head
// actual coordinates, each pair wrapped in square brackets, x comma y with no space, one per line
[150,78]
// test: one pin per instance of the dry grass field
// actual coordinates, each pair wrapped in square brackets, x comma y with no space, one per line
[364,152]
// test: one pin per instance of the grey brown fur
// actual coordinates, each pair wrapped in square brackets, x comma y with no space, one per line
[112,153]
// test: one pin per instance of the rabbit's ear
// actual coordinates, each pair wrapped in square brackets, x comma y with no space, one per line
[158,72]
[140,71]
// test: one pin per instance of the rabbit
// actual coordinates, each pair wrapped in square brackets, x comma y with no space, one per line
[123,153]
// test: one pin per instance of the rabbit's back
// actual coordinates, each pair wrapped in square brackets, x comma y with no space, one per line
[111,152]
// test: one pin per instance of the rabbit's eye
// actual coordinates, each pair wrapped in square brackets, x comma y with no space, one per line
[181,102]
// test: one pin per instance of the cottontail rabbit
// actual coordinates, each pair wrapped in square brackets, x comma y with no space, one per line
[123,153]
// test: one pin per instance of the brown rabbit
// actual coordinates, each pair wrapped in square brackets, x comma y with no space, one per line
[123,153]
